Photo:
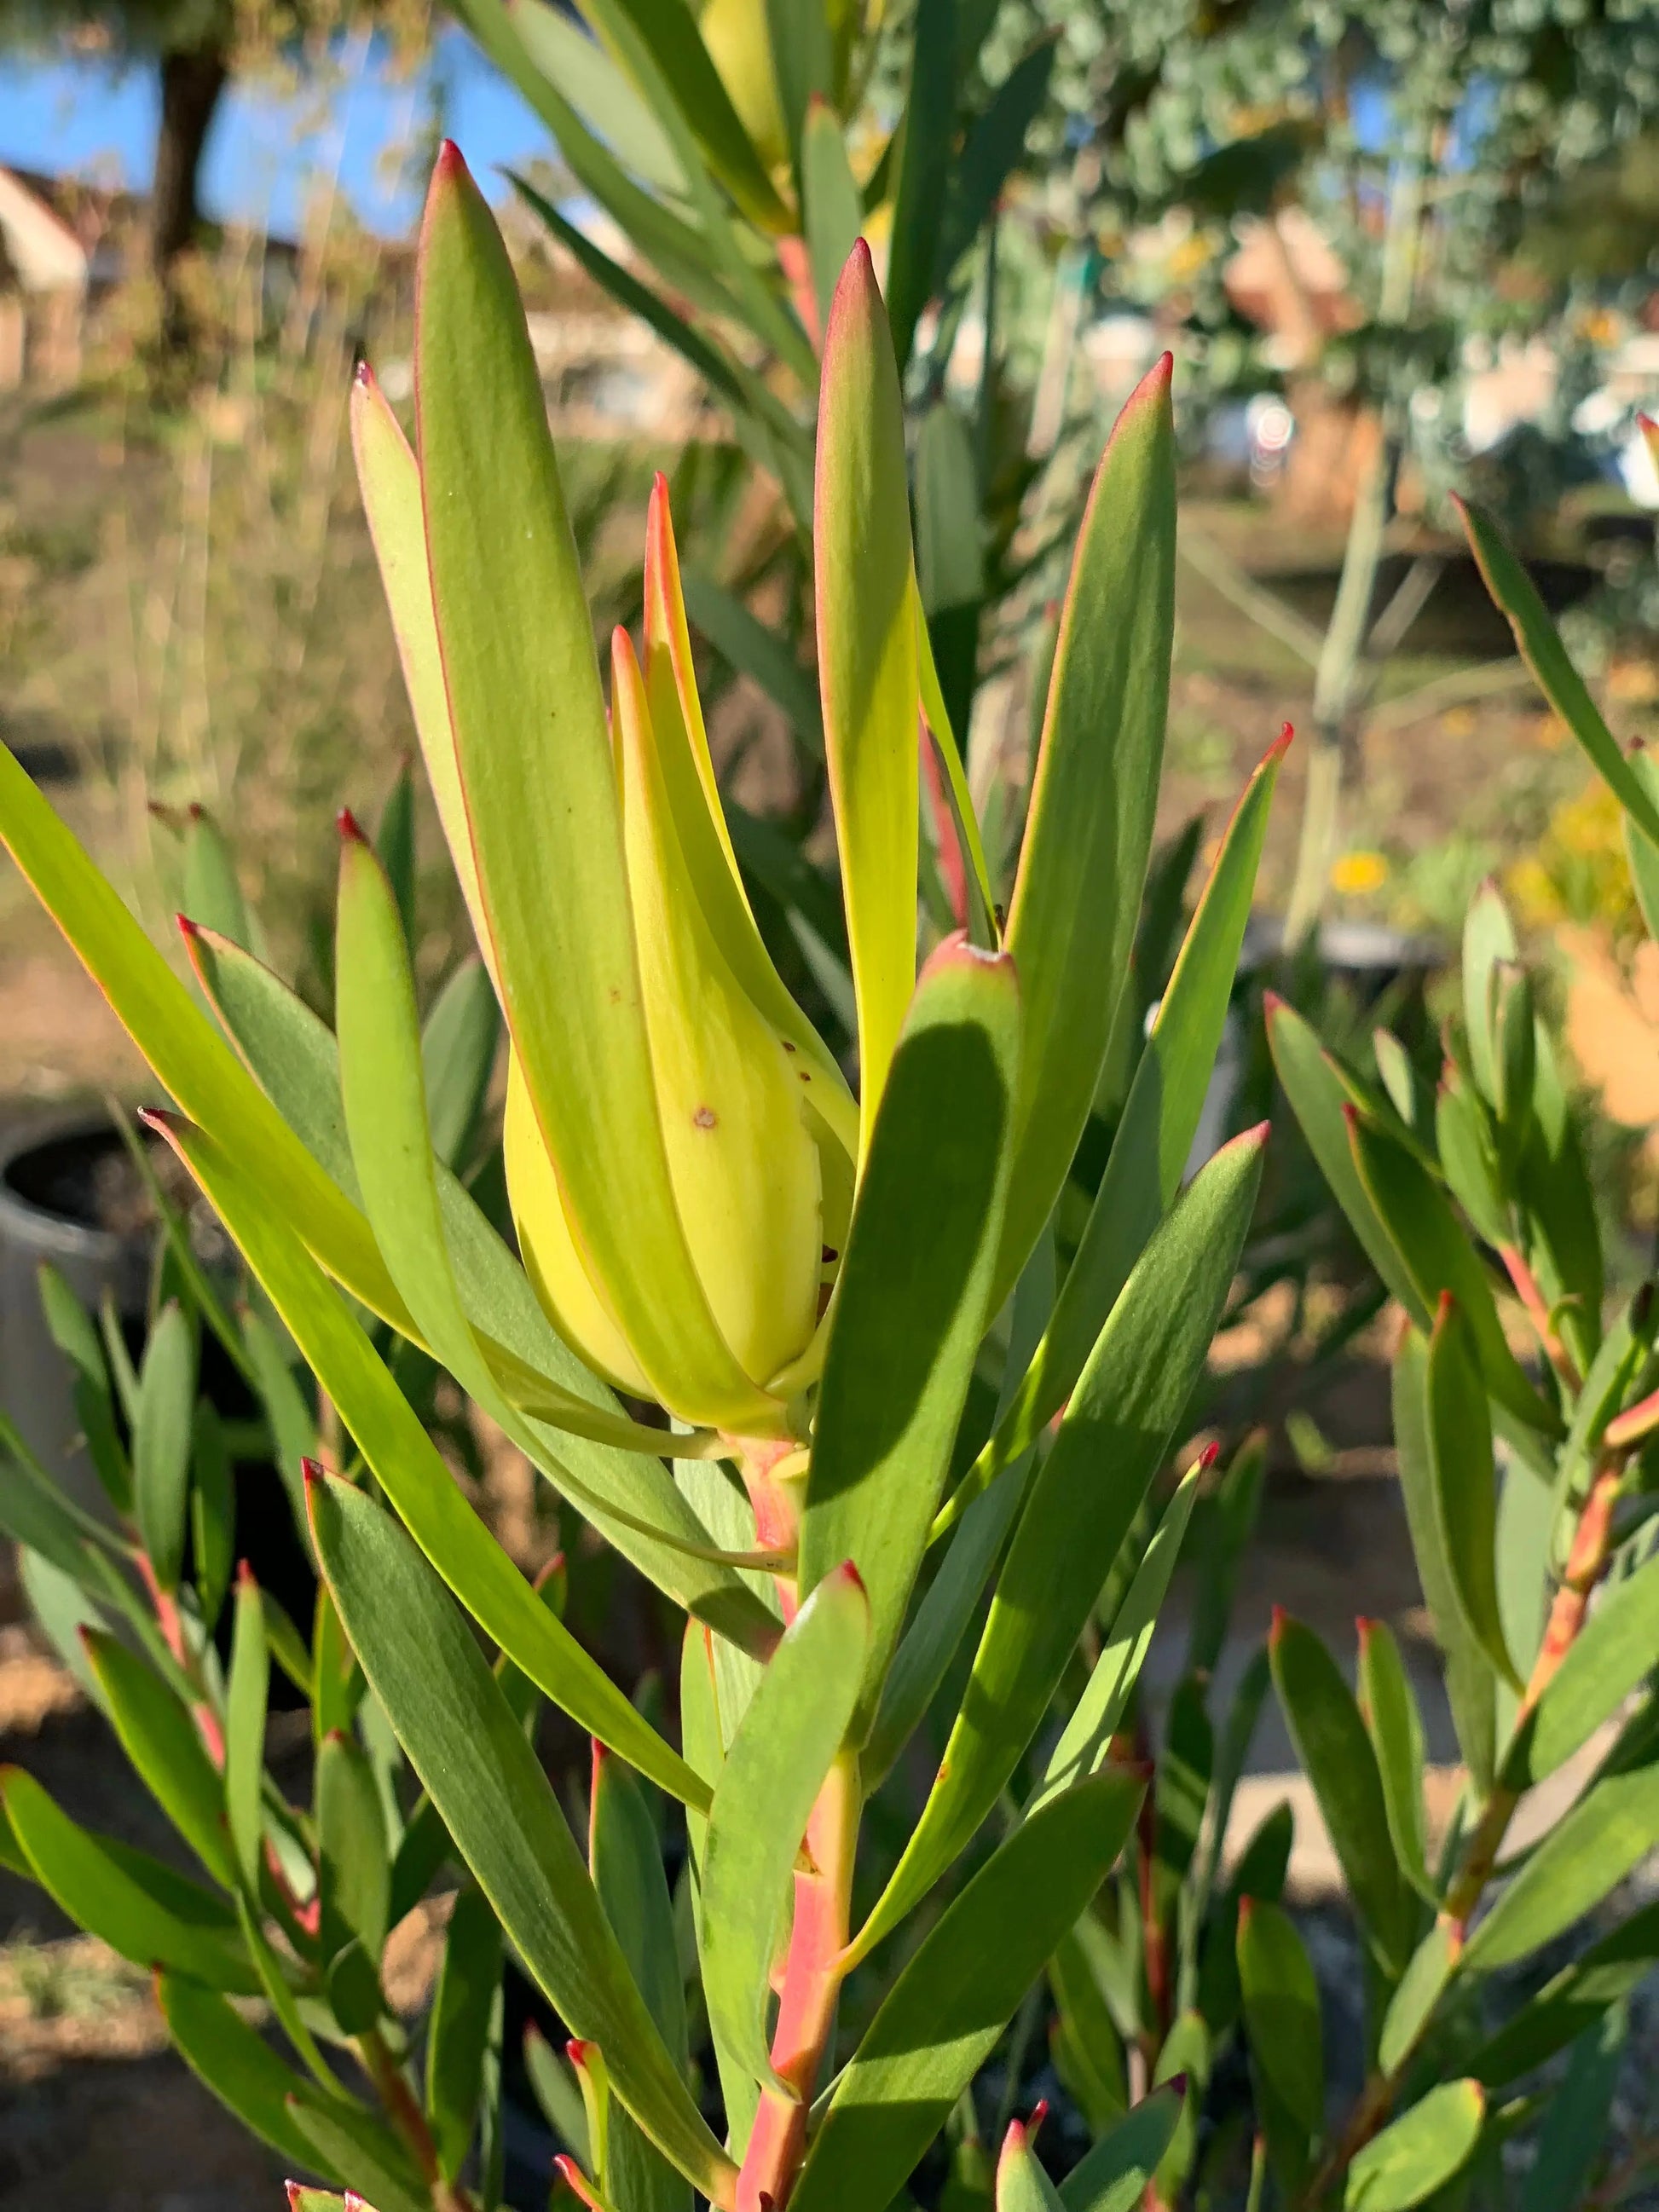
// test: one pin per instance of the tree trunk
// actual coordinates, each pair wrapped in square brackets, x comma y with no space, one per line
[193,80]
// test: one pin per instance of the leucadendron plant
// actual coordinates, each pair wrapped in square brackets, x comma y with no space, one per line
[1524,1410]
[802,1273]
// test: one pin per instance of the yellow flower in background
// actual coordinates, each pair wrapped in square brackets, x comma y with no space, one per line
[1577,871]
[1356,875]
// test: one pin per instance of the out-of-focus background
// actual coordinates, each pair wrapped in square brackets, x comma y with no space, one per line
[1395,250]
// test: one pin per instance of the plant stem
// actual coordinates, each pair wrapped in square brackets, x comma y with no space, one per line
[1336,677]
[1592,1545]
[806,2001]
[405,2115]
[1525,1283]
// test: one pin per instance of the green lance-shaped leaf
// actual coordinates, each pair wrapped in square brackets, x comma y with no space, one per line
[212,1511]
[1488,939]
[957,1992]
[941,1619]
[533,759]
[460,1041]
[424,1665]
[1437,1257]
[383,1092]
[992,151]
[1088,835]
[144,1911]
[1234,1504]
[1575,2129]
[242,2071]
[1418,2152]
[245,1730]
[1555,1190]
[1085,1742]
[1421,1987]
[867,672]
[1337,1758]
[1540,648]
[35,1513]
[624,1856]
[1021,2183]
[625,1859]
[1470,1684]
[1131,1395]
[668,244]
[775,1765]
[832,206]
[1466,1479]
[409,1467]
[694,81]
[802,65]
[1614,1652]
[1467,1159]
[1087,2049]
[950,586]
[160,1739]
[353,1866]
[161,1442]
[211,890]
[190,1058]
[1114,2175]
[458,2038]
[1154,1138]
[1319,1094]
[566,55]
[911,1302]
[924,163]
[344,2140]
[1395,1726]
[1572,2001]
[394,842]
[1607,1833]
[1186,2055]
[76,1335]
[1282,2021]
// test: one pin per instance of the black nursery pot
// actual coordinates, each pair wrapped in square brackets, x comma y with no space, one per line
[69,1194]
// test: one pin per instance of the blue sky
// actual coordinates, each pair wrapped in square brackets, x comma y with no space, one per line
[84,117]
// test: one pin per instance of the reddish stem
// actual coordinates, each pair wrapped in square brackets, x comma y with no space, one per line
[1526,1289]
[807,2002]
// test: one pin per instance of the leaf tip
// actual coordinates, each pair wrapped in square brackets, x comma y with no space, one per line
[1209,1456]
[450,168]
[1246,1910]
[351,830]
[1281,1621]
[246,1577]
[1281,743]
[189,930]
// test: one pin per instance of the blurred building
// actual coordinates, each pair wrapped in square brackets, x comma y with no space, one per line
[46,279]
